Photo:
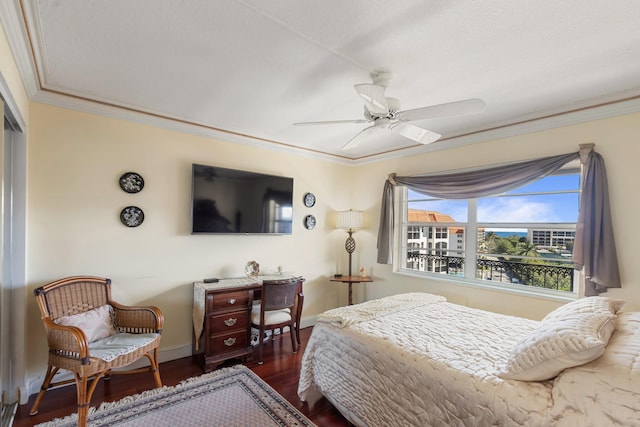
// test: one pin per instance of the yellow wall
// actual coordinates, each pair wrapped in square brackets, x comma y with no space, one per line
[75,201]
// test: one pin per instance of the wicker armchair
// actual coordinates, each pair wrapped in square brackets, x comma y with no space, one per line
[134,331]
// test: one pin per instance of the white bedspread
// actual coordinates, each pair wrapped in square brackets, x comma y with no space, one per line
[605,392]
[345,316]
[436,364]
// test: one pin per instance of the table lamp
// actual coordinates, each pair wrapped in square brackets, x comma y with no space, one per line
[350,221]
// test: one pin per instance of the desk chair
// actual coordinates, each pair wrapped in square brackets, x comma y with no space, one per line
[277,309]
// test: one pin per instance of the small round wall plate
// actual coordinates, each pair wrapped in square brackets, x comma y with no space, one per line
[131,216]
[309,222]
[309,199]
[131,182]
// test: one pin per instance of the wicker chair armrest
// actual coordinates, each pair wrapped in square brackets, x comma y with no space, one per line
[138,319]
[67,341]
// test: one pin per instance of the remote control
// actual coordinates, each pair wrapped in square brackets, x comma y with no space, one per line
[211,280]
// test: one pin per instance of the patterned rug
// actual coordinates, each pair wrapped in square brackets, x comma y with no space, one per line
[227,397]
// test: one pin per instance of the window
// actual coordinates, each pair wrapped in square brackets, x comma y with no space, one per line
[522,238]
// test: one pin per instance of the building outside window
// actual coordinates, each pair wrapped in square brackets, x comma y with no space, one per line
[522,238]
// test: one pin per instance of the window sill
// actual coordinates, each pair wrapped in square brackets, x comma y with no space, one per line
[540,293]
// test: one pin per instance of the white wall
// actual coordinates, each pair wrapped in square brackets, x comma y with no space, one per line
[616,140]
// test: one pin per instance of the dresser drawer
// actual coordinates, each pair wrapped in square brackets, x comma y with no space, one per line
[228,300]
[229,342]
[228,322]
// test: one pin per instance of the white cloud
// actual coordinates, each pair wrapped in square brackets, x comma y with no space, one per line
[516,209]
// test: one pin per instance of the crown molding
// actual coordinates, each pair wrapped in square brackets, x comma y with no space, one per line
[12,20]
[158,120]
[12,17]
[522,125]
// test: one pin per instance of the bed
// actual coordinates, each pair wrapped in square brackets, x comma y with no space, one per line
[417,360]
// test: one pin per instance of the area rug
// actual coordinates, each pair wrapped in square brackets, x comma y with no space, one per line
[227,397]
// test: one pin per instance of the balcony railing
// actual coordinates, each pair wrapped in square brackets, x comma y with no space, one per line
[538,274]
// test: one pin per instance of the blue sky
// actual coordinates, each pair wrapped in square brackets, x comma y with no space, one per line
[526,208]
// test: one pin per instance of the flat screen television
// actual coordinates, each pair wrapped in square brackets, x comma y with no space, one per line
[230,201]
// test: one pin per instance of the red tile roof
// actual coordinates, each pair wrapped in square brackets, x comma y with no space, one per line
[418,215]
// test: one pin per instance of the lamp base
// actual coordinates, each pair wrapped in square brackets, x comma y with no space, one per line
[350,246]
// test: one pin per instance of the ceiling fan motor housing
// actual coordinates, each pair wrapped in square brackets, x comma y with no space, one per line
[393,107]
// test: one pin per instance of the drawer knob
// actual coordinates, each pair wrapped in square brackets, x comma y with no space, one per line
[229,341]
[230,321]
[232,301]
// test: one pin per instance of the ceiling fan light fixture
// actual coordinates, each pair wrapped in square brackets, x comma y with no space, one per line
[373,96]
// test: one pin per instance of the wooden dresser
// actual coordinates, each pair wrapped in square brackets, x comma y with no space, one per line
[222,319]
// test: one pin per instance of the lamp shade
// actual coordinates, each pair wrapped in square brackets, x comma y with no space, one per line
[350,220]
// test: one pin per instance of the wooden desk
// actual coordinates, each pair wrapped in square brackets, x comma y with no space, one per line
[351,280]
[222,318]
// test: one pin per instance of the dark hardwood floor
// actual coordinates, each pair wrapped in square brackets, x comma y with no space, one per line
[280,370]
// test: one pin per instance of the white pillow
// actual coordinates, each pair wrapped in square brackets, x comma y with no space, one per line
[594,304]
[96,324]
[559,344]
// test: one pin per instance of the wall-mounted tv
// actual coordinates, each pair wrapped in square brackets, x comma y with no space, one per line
[230,201]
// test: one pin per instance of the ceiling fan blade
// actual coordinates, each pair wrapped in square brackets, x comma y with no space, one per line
[373,96]
[418,134]
[361,136]
[456,108]
[332,122]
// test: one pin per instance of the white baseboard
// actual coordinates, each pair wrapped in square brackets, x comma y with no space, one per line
[307,322]
[164,355]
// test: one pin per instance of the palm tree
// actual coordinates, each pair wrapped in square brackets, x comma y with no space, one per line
[527,248]
[490,242]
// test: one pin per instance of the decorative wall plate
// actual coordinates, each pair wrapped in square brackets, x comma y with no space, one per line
[131,216]
[252,269]
[309,222]
[131,182]
[309,199]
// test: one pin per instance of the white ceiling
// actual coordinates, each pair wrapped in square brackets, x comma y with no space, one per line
[246,70]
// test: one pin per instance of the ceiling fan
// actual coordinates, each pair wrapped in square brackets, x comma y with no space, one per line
[386,115]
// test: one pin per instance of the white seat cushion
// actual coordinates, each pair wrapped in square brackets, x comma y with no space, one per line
[270,317]
[119,344]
